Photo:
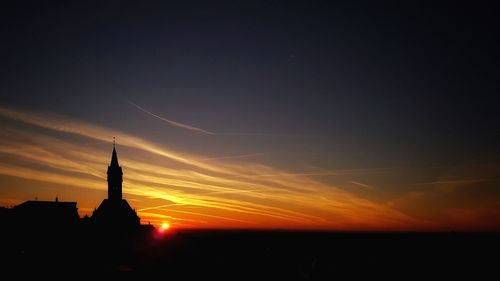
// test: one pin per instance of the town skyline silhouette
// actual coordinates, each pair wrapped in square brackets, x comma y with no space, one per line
[252,139]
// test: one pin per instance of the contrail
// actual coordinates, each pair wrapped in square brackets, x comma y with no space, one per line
[173,123]
[188,127]
[363,185]
[450,182]
[326,173]
[235,156]
[260,134]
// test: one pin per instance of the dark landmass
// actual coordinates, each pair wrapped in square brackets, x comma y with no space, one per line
[256,255]
[43,239]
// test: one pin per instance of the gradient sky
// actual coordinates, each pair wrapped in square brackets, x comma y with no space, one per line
[256,114]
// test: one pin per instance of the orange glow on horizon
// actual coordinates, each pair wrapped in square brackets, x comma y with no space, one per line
[196,191]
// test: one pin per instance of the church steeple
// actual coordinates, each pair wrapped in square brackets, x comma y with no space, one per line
[114,213]
[114,158]
[115,177]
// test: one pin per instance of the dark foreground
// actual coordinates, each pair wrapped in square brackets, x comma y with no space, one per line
[255,255]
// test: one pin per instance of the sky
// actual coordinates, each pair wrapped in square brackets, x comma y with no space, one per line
[256,114]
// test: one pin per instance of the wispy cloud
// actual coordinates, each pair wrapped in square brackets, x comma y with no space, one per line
[459,181]
[457,204]
[263,135]
[235,156]
[182,185]
[363,185]
[171,122]
[206,132]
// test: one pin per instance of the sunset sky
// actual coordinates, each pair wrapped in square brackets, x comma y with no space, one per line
[260,114]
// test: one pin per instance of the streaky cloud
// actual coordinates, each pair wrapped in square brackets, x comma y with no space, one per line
[206,132]
[221,193]
[264,135]
[236,156]
[171,122]
[459,181]
[363,185]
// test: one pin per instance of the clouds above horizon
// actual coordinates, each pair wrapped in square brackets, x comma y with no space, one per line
[223,191]
[194,190]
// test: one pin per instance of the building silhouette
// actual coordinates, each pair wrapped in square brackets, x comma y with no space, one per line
[115,212]
[49,213]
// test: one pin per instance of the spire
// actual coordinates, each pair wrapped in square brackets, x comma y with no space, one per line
[114,157]
[115,177]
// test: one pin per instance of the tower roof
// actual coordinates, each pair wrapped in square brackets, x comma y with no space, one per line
[114,158]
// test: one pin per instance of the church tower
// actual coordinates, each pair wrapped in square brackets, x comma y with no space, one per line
[114,213]
[115,178]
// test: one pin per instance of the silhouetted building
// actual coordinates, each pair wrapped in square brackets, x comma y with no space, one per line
[115,212]
[47,213]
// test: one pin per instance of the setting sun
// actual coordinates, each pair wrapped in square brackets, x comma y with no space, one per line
[249,139]
[164,226]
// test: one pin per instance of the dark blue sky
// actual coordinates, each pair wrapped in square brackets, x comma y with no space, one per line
[331,85]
